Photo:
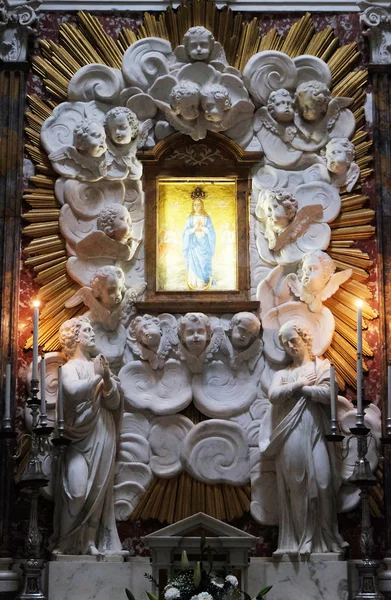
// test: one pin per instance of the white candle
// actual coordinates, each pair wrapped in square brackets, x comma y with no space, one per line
[60,403]
[333,396]
[35,340]
[42,387]
[359,357]
[389,392]
[7,399]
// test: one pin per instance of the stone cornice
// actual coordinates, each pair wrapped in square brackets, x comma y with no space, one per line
[18,19]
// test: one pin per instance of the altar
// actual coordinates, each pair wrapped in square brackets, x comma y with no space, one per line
[196,402]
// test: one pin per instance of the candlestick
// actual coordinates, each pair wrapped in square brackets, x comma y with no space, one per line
[359,419]
[43,419]
[7,398]
[333,399]
[60,404]
[35,339]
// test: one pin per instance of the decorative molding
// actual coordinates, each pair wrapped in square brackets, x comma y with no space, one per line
[242,5]
[17,23]
[377,19]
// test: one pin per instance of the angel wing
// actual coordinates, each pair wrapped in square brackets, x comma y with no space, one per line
[170,334]
[334,109]
[351,176]
[143,133]
[334,282]
[98,245]
[293,283]
[215,343]
[85,295]
[305,216]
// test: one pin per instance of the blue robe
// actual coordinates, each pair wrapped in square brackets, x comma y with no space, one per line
[198,251]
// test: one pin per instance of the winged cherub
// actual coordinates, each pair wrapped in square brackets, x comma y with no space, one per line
[151,338]
[198,342]
[113,239]
[244,344]
[339,155]
[107,297]
[316,279]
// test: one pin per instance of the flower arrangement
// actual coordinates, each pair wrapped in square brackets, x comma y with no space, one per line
[200,583]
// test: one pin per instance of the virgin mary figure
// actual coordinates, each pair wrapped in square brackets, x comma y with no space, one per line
[198,244]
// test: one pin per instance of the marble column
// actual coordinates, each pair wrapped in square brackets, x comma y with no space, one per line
[17,22]
[376,22]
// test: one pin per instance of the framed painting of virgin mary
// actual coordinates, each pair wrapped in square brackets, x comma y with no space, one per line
[196,235]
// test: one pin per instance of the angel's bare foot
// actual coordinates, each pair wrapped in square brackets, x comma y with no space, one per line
[93,550]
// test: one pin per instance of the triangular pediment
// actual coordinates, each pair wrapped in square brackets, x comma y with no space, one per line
[210,526]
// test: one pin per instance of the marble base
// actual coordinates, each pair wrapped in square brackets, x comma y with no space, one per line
[83,579]
[9,580]
[317,578]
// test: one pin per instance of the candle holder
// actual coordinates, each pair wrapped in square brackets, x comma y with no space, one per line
[335,435]
[363,478]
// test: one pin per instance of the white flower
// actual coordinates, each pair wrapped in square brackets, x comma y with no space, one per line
[231,579]
[172,593]
[204,596]
[194,597]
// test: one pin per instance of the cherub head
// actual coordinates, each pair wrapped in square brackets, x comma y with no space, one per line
[340,154]
[74,332]
[312,99]
[121,125]
[198,42]
[215,100]
[195,331]
[315,270]
[185,99]
[90,138]
[115,221]
[108,285]
[279,208]
[243,329]
[296,340]
[147,331]
[280,106]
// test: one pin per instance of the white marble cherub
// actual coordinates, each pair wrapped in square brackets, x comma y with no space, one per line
[198,341]
[124,136]
[107,297]
[282,221]
[198,44]
[86,159]
[215,101]
[339,156]
[152,338]
[316,279]
[275,129]
[113,238]
[185,100]
[243,343]
[317,115]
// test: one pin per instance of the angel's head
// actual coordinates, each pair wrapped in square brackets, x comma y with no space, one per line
[147,330]
[243,329]
[340,154]
[279,208]
[108,285]
[215,100]
[312,99]
[297,341]
[185,99]
[198,42]
[90,138]
[315,270]
[74,332]
[121,125]
[115,221]
[195,331]
[280,105]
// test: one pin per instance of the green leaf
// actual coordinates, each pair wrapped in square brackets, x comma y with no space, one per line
[151,596]
[263,592]
[210,559]
[129,594]
[197,575]
[246,596]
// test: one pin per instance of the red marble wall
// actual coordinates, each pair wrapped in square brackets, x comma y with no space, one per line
[347,28]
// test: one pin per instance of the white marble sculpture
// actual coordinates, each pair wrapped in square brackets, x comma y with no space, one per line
[339,156]
[307,478]
[109,300]
[198,340]
[152,338]
[293,224]
[198,44]
[84,521]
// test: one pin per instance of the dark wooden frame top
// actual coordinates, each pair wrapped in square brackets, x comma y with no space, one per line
[180,157]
